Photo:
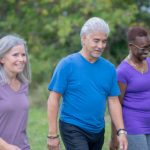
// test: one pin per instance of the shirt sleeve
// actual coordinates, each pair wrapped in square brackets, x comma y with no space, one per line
[121,76]
[59,79]
[114,90]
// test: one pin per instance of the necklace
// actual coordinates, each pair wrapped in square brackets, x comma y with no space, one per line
[141,69]
[136,66]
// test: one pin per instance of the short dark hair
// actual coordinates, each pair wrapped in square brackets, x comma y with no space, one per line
[135,32]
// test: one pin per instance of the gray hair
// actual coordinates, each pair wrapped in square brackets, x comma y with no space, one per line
[94,24]
[6,44]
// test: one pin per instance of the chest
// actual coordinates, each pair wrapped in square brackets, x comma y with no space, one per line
[139,82]
[13,101]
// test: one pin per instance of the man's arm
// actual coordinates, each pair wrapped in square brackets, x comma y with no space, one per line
[52,110]
[115,111]
[114,141]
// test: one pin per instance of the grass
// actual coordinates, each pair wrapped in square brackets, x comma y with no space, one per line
[38,127]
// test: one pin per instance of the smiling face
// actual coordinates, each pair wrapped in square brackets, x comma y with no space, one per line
[14,60]
[140,47]
[94,45]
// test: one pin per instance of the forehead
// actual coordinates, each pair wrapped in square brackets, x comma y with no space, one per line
[17,48]
[98,35]
[142,40]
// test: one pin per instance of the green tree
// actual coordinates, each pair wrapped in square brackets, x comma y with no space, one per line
[52,27]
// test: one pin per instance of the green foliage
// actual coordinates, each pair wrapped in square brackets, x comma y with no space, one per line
[52,27]
[37,129]
[39,95]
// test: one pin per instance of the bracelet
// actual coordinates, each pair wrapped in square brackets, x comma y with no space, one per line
[121,131]
[53,137]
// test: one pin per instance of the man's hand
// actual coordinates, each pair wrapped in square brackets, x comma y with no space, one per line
[53,144]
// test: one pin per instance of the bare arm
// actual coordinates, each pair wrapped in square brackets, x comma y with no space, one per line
[116,116]
[115,112]
[114,141]
[122,87]
[6,146]
[52,110]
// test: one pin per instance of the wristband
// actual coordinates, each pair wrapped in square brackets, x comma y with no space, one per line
[121,131]
[53,137]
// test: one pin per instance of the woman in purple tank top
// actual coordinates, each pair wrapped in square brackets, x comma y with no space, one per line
[134,81]
[14,79]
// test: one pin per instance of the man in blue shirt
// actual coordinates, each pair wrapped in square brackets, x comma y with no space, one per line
[85,80]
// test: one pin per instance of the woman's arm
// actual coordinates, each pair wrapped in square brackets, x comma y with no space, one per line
[5,146]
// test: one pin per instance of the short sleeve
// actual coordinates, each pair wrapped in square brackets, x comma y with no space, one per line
[121,76]
[59,79]
[114,90]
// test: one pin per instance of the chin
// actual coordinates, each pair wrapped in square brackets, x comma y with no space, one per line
[96,56]
[19,71]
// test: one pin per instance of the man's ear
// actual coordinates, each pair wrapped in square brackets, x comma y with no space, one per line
[83,38]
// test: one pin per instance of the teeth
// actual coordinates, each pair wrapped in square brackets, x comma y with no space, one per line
[20,66]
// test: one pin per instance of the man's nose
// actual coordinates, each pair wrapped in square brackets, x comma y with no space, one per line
[101,45]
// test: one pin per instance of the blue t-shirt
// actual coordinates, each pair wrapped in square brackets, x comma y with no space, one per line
[84,87]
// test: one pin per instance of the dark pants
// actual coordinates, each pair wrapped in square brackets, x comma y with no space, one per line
[75,138]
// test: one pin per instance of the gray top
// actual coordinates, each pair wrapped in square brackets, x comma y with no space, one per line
[13,115]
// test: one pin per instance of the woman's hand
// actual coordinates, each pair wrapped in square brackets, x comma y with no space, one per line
[13,147]
[114,144]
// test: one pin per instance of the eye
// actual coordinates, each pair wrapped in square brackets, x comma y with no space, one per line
[23,54]
[15,54]
[105,41]
[147,48]
[96,41]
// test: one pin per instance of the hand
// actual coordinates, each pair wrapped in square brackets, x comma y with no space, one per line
[123,143]
[53,144]
[114,144]
[13,147]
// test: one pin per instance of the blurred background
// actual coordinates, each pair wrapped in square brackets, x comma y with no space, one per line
[51,29]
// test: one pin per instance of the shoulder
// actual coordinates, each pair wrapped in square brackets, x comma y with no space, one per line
[70,57]
[65,64]
[123,71]
[107,63]
[148,59]
[24,88]
[122,67]
[68,60]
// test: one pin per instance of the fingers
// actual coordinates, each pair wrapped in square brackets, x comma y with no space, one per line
[53,144]
[54,147]
[121,147]
[116,148]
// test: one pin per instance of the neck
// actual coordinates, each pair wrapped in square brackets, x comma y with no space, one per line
[87,56]
[134,60]
[138,65]
[11,78]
